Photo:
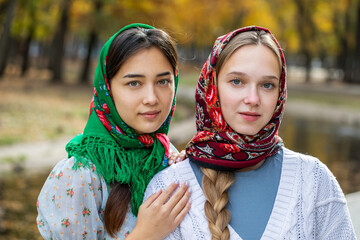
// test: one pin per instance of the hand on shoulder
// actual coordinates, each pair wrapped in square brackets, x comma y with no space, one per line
[162,212]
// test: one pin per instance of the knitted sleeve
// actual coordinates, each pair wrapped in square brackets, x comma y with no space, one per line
[332,218]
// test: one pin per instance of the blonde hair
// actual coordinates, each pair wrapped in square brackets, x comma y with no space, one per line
[248,38]
[215,185]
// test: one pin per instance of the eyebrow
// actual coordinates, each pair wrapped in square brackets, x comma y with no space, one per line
[244,74]
[130,75]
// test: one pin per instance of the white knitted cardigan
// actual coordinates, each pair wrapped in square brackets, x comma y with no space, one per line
[309,203]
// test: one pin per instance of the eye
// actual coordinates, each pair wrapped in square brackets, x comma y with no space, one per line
[164,81]
[236,81]
[133,83]
[269,85]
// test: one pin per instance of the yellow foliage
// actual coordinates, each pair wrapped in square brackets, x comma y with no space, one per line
[81,8]
[323,17]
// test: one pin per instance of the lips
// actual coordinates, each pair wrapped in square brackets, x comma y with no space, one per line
[250,116]
[150,114]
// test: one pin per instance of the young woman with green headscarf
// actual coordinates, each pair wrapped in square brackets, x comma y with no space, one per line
[97,191]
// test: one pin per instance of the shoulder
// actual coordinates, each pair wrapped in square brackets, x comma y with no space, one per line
[175,172]
[74,179]
[179,172]
[73,195]
[71,170]
[306,163]
[314,175]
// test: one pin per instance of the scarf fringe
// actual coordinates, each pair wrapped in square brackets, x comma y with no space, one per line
[102,151]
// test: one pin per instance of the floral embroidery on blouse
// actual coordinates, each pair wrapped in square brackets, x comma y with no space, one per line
[71,204]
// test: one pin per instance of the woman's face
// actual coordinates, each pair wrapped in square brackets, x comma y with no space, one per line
[248,88]
[143,90]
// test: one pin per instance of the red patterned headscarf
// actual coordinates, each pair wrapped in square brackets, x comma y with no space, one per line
[216,145]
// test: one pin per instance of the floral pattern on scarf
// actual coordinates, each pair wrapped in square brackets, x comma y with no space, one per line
[216,145]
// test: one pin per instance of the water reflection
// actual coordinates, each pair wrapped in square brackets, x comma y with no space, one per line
[335,145]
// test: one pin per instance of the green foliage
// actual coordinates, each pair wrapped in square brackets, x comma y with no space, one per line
[38,17]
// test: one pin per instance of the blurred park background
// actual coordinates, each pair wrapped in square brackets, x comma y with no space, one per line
[48,53]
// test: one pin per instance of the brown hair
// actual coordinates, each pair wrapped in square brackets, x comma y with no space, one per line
[125,45]
[215,183]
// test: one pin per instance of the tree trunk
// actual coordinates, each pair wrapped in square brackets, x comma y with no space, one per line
[5,36]
[356,75]
[56,58]
[345,57]
[305,28]
[25,62]
[87,63]
[307,66]
[92,41]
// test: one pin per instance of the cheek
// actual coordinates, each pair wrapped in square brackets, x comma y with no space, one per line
[227,97]
[122,101]
[272,104]
[167,97]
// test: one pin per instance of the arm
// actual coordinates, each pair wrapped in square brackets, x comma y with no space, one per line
[332,215]
[159,216]
[71,204]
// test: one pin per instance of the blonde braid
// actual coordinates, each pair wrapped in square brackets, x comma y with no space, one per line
[215,185]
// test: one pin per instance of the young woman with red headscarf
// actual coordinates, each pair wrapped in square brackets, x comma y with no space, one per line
[245,183]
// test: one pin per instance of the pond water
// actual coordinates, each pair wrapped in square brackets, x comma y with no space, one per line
[335,145]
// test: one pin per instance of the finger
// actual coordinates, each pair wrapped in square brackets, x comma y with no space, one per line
[172,157]
[181,203]
[180,157]
[182,214]
[151,199]
[164,196]
[177,196]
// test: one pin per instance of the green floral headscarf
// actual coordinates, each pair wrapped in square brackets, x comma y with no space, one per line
[118,153]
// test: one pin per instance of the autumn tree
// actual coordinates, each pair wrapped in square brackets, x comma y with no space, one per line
[356,69]
[5,35]
[58,44]
[93,27]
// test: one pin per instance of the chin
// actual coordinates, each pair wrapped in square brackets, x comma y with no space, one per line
[248,132]
[147,130]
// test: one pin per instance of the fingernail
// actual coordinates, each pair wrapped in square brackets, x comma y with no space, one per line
[187,183]
[178,159]
[171,162]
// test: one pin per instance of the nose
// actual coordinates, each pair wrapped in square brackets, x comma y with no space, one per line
[150,96]
[252,96]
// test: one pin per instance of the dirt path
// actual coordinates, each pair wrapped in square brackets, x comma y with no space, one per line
[39,156]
